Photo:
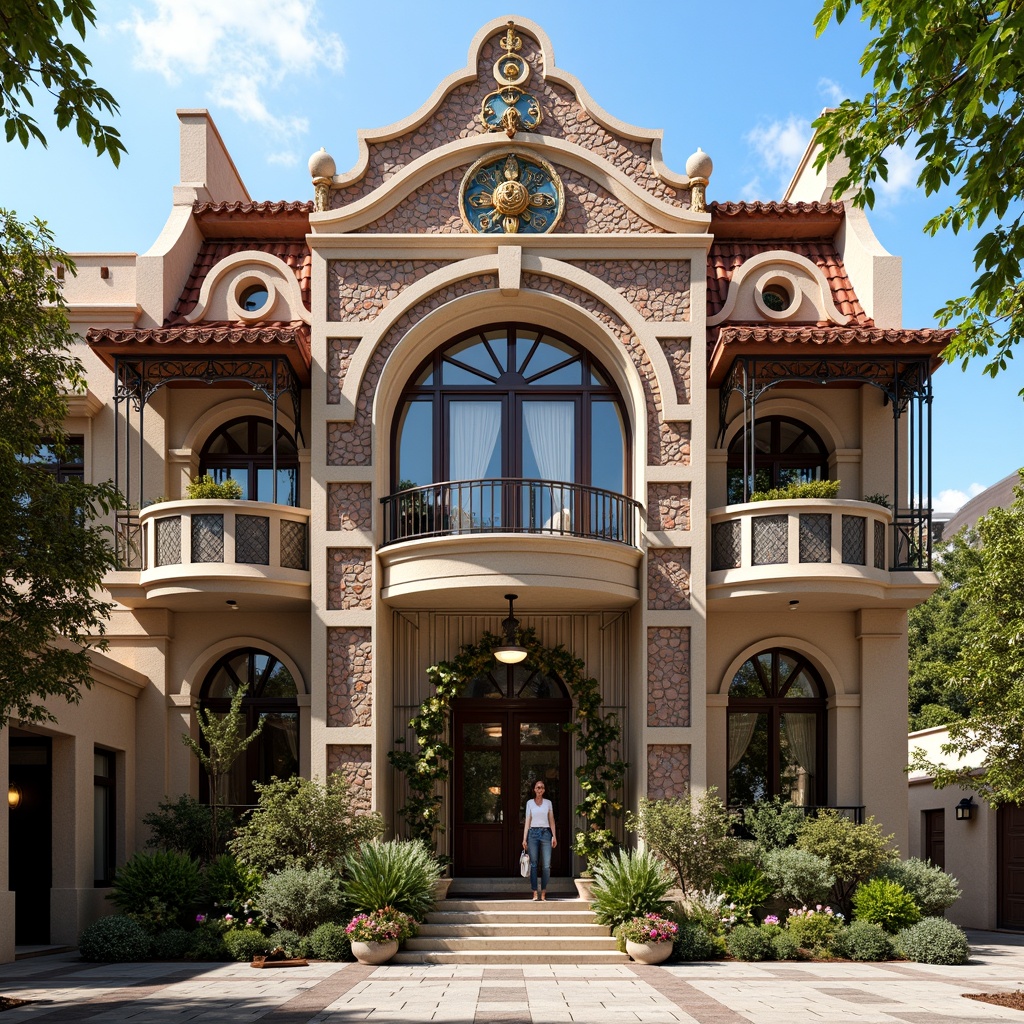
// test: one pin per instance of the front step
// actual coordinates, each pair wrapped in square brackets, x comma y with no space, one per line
[506,958]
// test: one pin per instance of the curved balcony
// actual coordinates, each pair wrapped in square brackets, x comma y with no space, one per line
[824,554]
[452,542]
[199,555]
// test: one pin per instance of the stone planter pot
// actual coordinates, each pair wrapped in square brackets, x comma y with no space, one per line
[374,952]
[585,887]
[641,952]
[441,889]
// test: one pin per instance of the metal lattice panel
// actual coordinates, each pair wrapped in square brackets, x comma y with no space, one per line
[168,541]
[252,540]
[771,545]
[879,544]
[208,537]
[726,552]
[816,537]
[293,545]
[854,540]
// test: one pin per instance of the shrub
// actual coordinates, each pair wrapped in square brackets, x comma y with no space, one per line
[816,929]
[798,877]
[291,942]
[399,874]
[933,890]
[115,939]
[786,946]
[330,942]
[629,884]
[704,907]
[879,499]
[695,942]
[302,823]
[696,841]
[747,942]
[744,887]
[384,925]
[773,824]
[243,944]
[207,487]
[171,944]
[886,903]
[807,489]
[185,827]
[864,940]
[231,886]
[159,889]
[301,900]
[649,928]
[933,941]
[854,852]
[207,943]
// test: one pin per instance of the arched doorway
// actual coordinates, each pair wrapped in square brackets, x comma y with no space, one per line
[507,731]
[786,451]
[243,450]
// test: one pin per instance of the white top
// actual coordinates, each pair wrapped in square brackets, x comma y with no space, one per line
[537,815]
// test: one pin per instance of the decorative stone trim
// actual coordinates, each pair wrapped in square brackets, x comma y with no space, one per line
[677,352]
[668,676]
[354,762]
[656,289]
[349,507]
[349,676]
[668,506]
[668,770]
[340,352]
[359,289]
[349,579]
[668,579]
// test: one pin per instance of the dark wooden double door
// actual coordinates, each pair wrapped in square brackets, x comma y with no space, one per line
[501,748]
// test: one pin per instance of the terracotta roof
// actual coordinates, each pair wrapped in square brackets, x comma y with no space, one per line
[295,253]
[727,255]
[290,340]
[743,217]
[282,219]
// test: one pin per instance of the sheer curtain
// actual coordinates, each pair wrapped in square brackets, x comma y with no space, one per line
[800,731]
[741,732]
[474,428]
[551,433]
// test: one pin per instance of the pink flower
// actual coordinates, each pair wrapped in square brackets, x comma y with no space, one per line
[228,917]
[200,918]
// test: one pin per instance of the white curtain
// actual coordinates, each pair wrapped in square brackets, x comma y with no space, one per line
[741,732]
[474,429]
[799,731]
[551,431]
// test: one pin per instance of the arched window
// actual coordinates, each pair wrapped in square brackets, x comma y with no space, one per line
[777,731]
[243,450]
[787,451]
[270,697]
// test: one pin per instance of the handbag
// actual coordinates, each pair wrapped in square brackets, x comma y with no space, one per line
[524,863]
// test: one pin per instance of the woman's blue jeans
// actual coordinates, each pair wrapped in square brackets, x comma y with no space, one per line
[538,843]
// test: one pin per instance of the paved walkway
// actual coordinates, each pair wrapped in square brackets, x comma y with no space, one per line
[63,988]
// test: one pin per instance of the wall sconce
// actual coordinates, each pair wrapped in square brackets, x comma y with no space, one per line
[510,653]
[13,797]
[965,809]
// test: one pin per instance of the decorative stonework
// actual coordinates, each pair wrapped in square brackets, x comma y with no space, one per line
[339,358]
[514,193]
[656,289]
[359,289]
[349,442]
[349,578]
[349,507]
[354,762]
[677,351]
[349,676]
[668,506]
[668,770]
[668,579]
[668,676]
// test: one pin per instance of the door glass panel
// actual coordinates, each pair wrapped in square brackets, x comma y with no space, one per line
[475,354]
[748,758]
[607,447]
[474,442]
[798,758]
[481,734]
[278,746]
[547,355]
[536,685]
[539,734]
[801,686]
[481,786]
[287,480]
[534,765]
[483,686]
[237,473]
[416,445]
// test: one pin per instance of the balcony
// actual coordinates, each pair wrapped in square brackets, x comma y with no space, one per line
[212,555]
[826,555]
[574,546]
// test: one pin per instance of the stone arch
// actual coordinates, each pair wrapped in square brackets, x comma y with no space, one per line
[197,670]
[237,408]
[796,408]
[826,667]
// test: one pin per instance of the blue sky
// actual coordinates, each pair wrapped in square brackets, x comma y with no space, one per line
[741,79]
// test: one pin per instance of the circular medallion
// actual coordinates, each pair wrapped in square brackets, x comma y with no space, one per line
[510,69]
[511,193]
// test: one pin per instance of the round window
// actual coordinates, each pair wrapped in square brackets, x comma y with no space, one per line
[776,298]
[253,298]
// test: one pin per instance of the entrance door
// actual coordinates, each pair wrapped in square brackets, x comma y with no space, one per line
[1010,829]
[31,842]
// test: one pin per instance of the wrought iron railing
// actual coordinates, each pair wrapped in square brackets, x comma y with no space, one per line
[510,505]
[855,812]
[128,540]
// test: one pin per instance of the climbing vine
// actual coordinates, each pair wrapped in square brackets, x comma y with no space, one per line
[597,734]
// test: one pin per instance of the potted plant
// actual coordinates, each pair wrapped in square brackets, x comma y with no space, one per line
[649,938]
[375,937]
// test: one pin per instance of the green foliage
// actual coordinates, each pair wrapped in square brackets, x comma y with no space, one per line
[231,887]
[115,939]
[806,489]
[53,550]
[629,883]
[932,889]
[854,852]
[299,899]
[886,903]
[696,841]
[207,487]
[773,824]
[864,940]
[817,930]
[945,78]
[302,823]
[159,889]
[243,944]
[879,499]
[985,679]
[208,943]
[170,944]
[400,874]
[746,886]
[747,942]
[786,945]
[186,826]
[695,942]
[291,942]
[37,52]
[330,941]
[798,877]
[933,941]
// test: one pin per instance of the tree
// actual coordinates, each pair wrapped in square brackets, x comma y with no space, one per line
[987,678]
[948,79]
[52,552]
[35,54]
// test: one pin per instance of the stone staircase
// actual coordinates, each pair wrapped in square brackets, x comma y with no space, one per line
[468,929]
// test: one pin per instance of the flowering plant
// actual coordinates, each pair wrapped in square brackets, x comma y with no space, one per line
[384,925]
[815,928]
[650,928]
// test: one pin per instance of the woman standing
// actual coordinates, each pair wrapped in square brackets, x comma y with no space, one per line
[539,837]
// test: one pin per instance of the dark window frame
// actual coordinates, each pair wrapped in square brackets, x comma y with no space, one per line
[63,469]
[108,784]
[775,459]
[251,459]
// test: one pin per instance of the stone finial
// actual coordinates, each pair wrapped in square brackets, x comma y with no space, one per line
[321,164]
[698,168]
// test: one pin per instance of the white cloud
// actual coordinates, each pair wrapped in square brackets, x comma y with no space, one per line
[951,500]
[833,92]
[284,158]
[241,51]
[780,144]
[903,173]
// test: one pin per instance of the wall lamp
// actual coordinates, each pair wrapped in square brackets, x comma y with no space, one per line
[965,809]
[13,797]
[510,652]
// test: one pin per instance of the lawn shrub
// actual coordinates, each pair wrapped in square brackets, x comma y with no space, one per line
[798,877]
[171,944]
[207,943]
[886,903]
[750,942]
[745,888]
[330,942]
[185,826]
[231,887]
[932,889]
[629,884]
[300,900]
[291,942]
[400,874]
[159,889]
[115,939]
[243,944]
[773,824]
[933,940]
[786,946]
[816,929]
[864,940]
[694,942]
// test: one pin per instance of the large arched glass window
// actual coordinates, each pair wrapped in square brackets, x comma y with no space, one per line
[777,731]
[787,451]
[243,450]
[270,697]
